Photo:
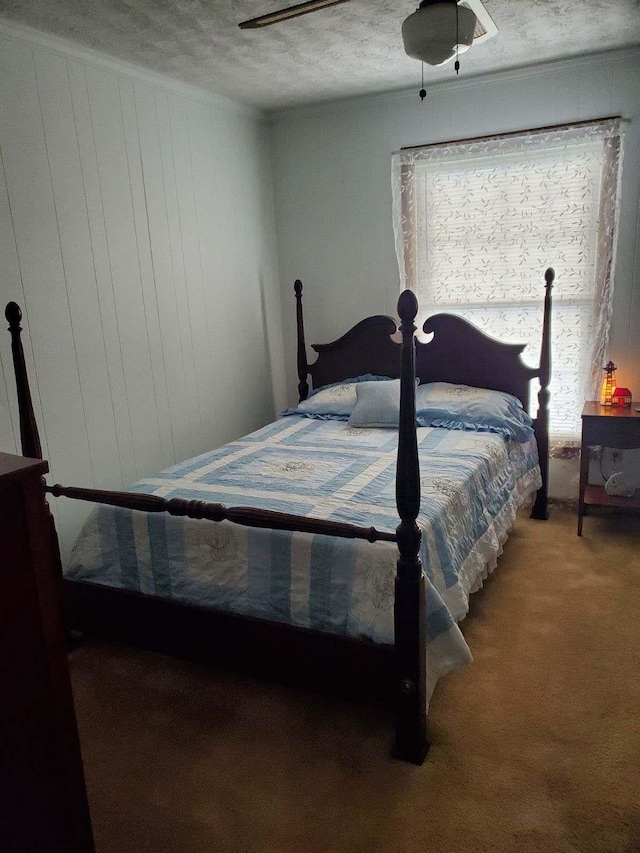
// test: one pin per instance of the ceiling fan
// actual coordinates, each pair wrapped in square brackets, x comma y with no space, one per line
[436,32]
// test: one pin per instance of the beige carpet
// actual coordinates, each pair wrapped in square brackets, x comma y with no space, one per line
[536,745]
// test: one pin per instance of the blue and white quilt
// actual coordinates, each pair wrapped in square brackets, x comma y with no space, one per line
[472,485]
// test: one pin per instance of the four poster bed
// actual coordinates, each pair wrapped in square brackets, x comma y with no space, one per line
[292,599]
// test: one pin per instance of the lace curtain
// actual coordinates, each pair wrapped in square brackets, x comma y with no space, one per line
[476,224]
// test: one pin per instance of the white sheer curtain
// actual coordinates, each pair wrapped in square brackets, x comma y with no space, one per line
[476,224]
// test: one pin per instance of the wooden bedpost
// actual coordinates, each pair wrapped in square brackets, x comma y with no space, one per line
[409,609]
[303,370]
[541,506]
[29,438]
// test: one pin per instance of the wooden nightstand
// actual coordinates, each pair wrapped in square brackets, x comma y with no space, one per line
[615,427]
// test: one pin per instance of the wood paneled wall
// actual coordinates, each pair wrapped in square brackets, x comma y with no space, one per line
[137,232]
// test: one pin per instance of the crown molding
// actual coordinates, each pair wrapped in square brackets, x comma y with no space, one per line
[374,99]
[70,50]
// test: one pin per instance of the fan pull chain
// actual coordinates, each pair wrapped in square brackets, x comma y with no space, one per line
[457,65]
[423,91]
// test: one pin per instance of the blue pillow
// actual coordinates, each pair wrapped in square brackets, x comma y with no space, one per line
[335,401]
[378,405]
[440,404]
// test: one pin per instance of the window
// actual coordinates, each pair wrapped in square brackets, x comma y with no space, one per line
[478,222]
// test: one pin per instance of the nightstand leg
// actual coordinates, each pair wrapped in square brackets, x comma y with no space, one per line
[584,477]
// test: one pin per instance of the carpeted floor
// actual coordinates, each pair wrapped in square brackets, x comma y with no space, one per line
[535,746]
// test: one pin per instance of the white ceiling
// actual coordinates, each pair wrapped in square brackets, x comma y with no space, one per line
[353,48]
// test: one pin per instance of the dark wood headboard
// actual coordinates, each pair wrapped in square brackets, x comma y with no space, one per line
[458,353]
[461,354]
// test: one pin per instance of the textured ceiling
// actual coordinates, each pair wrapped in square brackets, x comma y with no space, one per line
[350,49]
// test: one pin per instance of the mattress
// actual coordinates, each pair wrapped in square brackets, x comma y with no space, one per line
[472,485]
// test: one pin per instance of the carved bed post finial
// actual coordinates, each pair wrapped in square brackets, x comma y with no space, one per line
[409,608]
[303,370]
[29,438]
[541,506]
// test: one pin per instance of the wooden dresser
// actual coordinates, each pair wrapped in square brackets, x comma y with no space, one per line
[43,801]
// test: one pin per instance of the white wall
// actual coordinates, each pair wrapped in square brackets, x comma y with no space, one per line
[137,233]
[332,176]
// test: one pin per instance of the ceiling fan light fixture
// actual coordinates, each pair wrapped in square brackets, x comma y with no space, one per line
[432,33]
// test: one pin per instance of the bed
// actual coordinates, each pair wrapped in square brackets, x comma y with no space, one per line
[299,580]
[321,469]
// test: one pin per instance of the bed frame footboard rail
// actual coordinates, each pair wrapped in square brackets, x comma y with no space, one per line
[246,516]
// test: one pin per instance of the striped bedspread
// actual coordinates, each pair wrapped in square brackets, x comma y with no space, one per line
[472,484]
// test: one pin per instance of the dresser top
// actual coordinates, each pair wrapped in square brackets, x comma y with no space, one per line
[13,467]
[593,409]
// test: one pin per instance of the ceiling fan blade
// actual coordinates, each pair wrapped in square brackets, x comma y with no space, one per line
[289,12]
